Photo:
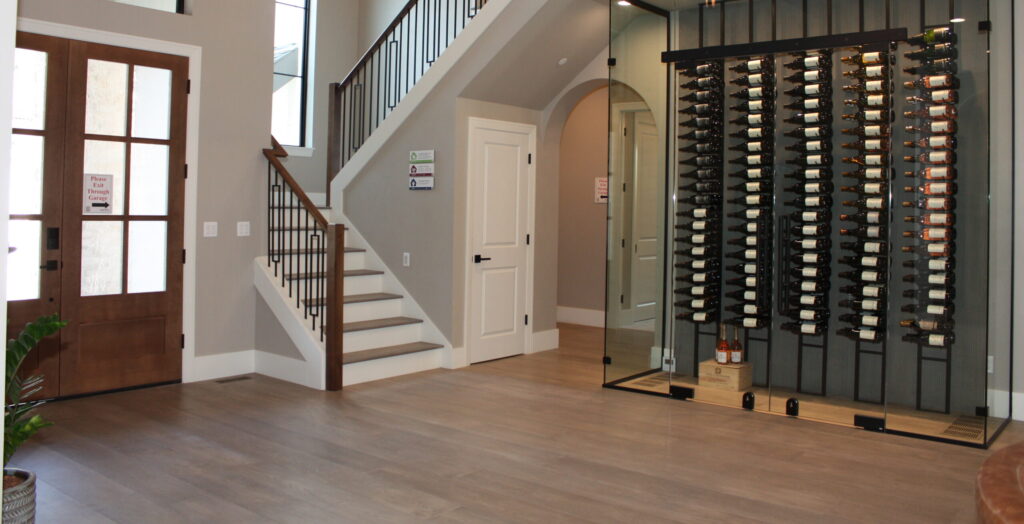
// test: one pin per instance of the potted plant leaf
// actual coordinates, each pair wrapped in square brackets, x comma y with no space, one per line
[20,419]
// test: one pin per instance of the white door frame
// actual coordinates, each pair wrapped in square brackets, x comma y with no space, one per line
[477,124]
[191,370]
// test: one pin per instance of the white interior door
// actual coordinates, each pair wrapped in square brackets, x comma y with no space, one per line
[645,285]
[500,194]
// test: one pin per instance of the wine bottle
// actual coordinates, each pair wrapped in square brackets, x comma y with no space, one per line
[870,58]
[704,135]
[809,118]
[934,173]
[700,226]
[813,315]
[868,173]
[700,278]
[866,160]
[934,188]
[754,120]
[708,264]
[753,160]
[813,76]
[869,100]
[868,131]
[752,322]
[939,310]
[812,202]
[702,200]
[934,142]
[863,217]
[932,219]
[933,279]
[811,146]
[810,104]
[695,251]
[751,133]
[811,244]
[756,199]
[939,340]
[753,213]
[753,187]
[868,203]
[810,216]
[934,249]
[870,305]
[811,132]
[754,80]
[736,349]
[860,333]
[938,96]
[869,115]
[748,282]
[931,264]
[698,123]
[811,90]
[702,148]
[869,86]
[810,259]
[868,73]
[935,294]
[705,69]
[934,112]
[811,173]
[866,246]
[936,67]
[934,82]
[808,300]
[755,146]
[863,262]
[749,228]
[722,347]
[698,304]
[933,52]
[810,62]
[701,109]
[811,272]
[809,286]
[868,145]
[703,83]
[702,161]
[702,291]
[753,310]
[939,157]
[805,328]
[754,65]
[748,241]
[812,160]
[755,106]
[933,36]
[869,276]
[745,295]
[697,239]
[701,97]
[811,188]
[699,317]
[933,203]
[743,254]
[706,173]
[754,93]
[865,232]
[871,321]
[867,188]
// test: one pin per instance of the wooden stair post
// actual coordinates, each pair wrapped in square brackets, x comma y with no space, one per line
[335,306]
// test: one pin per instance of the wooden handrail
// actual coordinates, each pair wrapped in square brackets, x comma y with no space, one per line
[377,44]
[274,156]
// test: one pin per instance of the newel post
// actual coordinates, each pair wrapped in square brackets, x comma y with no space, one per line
[335,305]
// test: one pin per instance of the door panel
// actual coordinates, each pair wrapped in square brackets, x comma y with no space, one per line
[644,265]
[498,207]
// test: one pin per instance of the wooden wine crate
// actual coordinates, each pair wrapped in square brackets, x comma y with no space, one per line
[732,377]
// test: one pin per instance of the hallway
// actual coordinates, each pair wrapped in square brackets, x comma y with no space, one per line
[525,439]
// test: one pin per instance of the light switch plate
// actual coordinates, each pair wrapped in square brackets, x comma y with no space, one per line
[209,229]
[244,229]
[406,260]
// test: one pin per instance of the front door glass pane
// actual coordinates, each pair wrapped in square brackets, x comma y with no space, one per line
[147,257]
[23,263]
[151,103]
[106,98]
[26,189]
[29,89]
[101,258]
[149,180]
[107,158]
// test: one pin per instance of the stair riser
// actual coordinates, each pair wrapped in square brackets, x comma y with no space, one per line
[375,338]
[364,285]
[372,310]
[355,260]
[392,367]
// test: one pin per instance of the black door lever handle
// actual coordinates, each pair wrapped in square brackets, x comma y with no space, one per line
[50,265]
[479,258]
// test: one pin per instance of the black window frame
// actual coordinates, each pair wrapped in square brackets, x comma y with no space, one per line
[304,69]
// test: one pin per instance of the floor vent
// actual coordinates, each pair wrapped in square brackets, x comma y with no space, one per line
[235,379]
[966,427]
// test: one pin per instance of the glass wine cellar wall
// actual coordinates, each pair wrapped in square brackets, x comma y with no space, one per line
[810,210]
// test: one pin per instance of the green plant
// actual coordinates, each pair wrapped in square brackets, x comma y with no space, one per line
[20,423]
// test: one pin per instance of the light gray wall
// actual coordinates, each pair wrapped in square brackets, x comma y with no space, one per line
[374,17]
[583,156]
[336,52]
[270,336]
[237,40]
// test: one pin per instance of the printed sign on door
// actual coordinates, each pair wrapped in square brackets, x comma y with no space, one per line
[97,194]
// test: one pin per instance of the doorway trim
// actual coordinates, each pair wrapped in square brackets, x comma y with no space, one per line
[191,371]
[476,124]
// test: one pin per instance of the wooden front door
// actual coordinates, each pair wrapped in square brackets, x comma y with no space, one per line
[104,245]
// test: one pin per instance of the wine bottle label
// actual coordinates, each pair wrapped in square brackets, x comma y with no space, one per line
[873,160]
[702,96]
[867,334]
[698,303]
[869,261]
[874,71]
[812,89]
[810,258]
[754,132]
[869,320]
[812,118]
[869,276]
[871,58]
[872,145]
[752,227]
[942,96]
[937,279]
[750,269]
[754,120]
[754,146]
[736,357]
[874,86]
[935,203]
[755,92]
[749,309]
[698,290]
[753,200]
[874,203]
[722,357]
[750,254]
[808,286]
[698,239]
[873,188]
[936,188]
[935,310]
[756,105]
[809,272]
[934,111]
[936,340]
[751,240]
[752,187]
[755,80]
[806,314]
[935,233]
[706,81]
[808,329]
[700,278]
[700,212]
[876,100]
[937,294]
[872,130]
[938,141]
[811,76]
[937,265]
[812,201]
[750,296]
[873,115]
[812,173]
[872,247]
[815,160]
[752,213]
[937,156]
[698,251]
[874,173]
[807,300]
[941,126]
[809,230]
[808,244]
[812,132]
[812,61]
[872,291]
[701,108]
[700,317]
[932,82]
[814,187]
[870,305]
[700,225]
[873,232]
[809,216]
[754,160]
[814,145]
[750,322]
[699,264]
[812,103]
[936,249]
[753,65]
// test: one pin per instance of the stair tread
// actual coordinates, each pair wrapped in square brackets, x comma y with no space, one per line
[388,351]
[370,297]
[378,323]
[308,250]
[348,273]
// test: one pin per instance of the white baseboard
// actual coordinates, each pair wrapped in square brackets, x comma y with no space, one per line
[1018,400]
[544,341]
[580,316]
[213,367]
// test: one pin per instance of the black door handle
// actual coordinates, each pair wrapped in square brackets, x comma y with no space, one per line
[479,258]
[50,265]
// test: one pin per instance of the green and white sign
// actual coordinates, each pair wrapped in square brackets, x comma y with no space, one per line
[421,157]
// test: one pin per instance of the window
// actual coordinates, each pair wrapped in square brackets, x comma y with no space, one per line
[291,71]
[171,6]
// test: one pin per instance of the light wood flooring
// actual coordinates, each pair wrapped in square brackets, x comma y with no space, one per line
[525,439]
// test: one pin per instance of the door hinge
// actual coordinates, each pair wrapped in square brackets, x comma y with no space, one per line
[529,159]
[622,299]
[527,320]
[527,239]
[186,170]
[985,25]
[625,131]
[182,256]
[623,243]
[611,62]
[606,360]
[188,87]
[182,341]
[623,187]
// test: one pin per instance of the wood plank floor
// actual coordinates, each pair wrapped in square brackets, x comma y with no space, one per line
[526,439]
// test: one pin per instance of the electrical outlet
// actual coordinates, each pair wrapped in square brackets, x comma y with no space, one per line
[406,260]
[991,364]
[244,229]
[209,229]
